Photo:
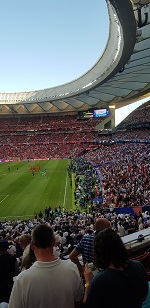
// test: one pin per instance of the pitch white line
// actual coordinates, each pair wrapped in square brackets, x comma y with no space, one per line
[4,198]
[65,192]
[17,216]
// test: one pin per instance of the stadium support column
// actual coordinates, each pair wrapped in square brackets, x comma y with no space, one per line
[112,111]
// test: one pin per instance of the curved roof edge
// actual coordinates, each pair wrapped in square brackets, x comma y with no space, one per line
[120,77]
[118,50]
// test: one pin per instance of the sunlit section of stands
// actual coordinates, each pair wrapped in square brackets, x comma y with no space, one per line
[140,117]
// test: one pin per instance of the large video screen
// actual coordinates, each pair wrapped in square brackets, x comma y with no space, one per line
[100,113]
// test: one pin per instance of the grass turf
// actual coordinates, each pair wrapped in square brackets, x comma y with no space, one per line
[22,194]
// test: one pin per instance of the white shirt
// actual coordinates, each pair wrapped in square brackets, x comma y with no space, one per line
[55,284]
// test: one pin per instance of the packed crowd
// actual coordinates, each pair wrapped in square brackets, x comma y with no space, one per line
[106,176]
[48,123]
[120,173]
[138,118]
[53,137]
[70,227]
[69,230]
[54,145]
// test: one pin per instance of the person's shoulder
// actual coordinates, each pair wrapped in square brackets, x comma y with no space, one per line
[68,265]
[8,257]
[135,264]
[99,278]
[88,237]
[22,275]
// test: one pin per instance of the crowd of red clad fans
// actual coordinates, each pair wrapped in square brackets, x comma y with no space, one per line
[48,123]
[52,137]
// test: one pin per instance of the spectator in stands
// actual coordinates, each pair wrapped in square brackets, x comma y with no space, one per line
[40,215]
[85,246]
[148,221]
[3,305]
[49,282]
[71,246]
[8,269]
[24,241]
[121,229]
[28,260]
[121,283]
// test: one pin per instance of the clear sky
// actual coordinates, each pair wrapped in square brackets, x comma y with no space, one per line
[48,43]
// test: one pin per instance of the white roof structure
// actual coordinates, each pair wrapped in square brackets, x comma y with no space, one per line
[121,75]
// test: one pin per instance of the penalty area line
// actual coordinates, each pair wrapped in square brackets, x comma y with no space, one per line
[64,203]
[4,198]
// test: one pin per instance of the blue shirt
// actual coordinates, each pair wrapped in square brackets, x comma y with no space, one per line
[85,247]
[119,289]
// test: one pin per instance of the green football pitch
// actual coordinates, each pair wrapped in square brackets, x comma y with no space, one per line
[22,193]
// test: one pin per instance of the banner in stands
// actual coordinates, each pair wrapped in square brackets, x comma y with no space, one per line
[132,210]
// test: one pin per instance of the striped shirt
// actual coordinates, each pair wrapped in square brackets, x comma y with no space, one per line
[85,247]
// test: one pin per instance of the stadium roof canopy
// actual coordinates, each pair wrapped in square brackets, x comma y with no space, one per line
[121,75]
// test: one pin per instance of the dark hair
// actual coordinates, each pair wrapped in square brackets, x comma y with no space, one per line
[109,249]
[4,245]
[42,236]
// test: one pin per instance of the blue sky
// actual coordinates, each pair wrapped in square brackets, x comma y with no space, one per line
[48,43]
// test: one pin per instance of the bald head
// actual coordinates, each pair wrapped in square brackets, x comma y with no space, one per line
[101,224]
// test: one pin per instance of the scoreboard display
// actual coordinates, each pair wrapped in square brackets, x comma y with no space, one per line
[93,113]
